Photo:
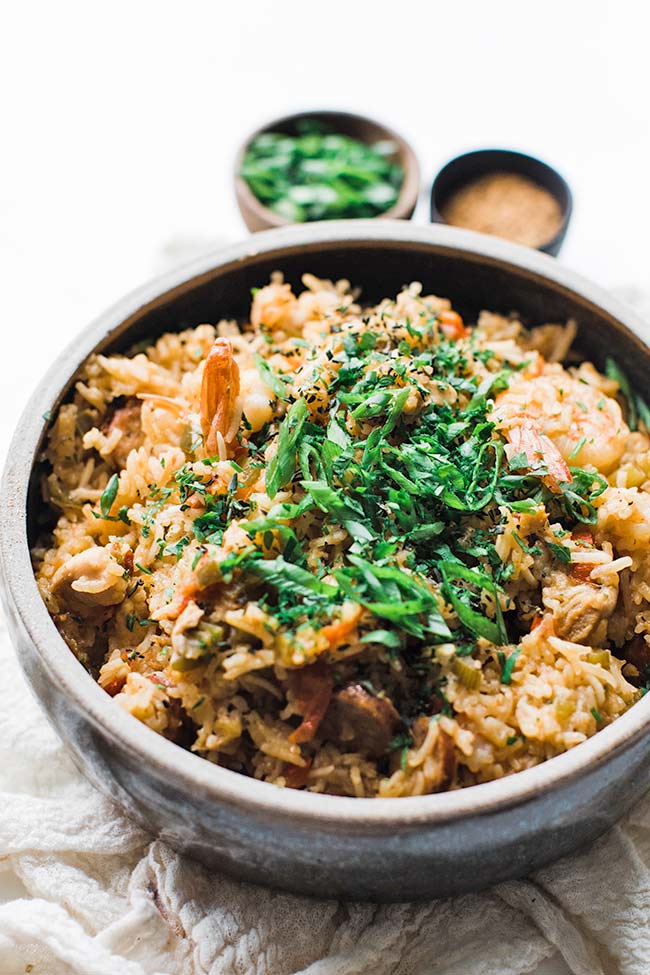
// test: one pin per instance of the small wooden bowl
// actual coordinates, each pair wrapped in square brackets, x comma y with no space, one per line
[258,217]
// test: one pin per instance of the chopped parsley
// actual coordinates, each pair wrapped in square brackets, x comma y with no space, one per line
[420,504]
[559,552]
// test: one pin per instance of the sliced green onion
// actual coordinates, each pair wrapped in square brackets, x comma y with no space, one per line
[509,666]
[109,494]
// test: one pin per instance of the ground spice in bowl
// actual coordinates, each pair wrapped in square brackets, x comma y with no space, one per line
[506,205]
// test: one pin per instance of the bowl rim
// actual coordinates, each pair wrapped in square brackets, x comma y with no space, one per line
[182,769]
[409,191]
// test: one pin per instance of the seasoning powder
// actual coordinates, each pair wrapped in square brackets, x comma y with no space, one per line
[507,205]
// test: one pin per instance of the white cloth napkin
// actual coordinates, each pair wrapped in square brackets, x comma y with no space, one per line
[94,895]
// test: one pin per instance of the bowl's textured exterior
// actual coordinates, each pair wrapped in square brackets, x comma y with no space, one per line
[381,849]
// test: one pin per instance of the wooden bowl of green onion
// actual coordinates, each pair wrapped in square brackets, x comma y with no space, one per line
[324,166]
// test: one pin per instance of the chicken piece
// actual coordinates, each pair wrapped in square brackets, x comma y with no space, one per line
[90,581]
[359,721]
[124,415]
[578,609]
[420,730]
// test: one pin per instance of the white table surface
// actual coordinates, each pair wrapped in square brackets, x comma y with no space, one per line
[120,122]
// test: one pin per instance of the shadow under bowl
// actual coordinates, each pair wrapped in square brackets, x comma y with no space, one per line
[328,846]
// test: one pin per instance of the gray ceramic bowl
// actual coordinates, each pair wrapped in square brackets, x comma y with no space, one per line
[383,849]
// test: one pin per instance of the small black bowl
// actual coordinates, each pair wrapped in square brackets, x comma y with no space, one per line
[472,165]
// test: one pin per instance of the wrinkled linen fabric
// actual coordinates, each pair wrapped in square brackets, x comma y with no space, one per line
[95,895]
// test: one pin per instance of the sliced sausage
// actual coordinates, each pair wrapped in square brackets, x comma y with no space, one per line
[125,415]
[296,776]
[311,688]
[359,721]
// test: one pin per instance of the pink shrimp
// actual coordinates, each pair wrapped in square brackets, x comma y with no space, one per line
[539,450]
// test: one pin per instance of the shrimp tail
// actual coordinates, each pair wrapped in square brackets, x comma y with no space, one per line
[219,391]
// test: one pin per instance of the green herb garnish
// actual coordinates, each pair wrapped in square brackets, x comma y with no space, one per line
[637,408]
[508,665]
[560,552]
[108,496]
[272,379]
[283,466]
[320,175]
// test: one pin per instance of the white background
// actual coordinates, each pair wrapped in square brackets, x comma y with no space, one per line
[120,120]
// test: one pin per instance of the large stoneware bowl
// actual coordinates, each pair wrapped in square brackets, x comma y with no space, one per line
[382,849]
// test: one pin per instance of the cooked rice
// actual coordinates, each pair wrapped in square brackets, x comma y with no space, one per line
[417,594]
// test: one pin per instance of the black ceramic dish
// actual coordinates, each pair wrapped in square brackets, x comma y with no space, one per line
[381,849]
[472,165]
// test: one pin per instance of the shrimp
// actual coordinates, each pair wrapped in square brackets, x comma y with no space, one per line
[219,393]
[275,307]
[555,417]
[452,325]
[257,398]
[539,450]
